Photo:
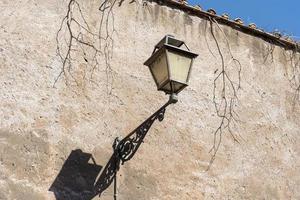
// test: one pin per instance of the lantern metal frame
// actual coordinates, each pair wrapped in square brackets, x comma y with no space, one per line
[169,43]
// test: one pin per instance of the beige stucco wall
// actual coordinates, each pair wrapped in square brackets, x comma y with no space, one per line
[41,123]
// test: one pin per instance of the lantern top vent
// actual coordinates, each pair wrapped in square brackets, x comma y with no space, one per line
[170,40]
[171,43]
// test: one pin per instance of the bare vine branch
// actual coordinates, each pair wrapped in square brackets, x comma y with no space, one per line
[294,74]
[224,93]
[269,53]
[106,36]
[76,29]
[76,38]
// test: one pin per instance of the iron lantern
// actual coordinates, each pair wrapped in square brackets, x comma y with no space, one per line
[170,65]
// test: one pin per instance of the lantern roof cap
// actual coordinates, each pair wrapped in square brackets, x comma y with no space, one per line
[169,40]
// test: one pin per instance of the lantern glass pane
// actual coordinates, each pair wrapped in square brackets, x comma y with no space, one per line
[159,69]
[179,66]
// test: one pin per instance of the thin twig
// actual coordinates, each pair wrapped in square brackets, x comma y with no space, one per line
[228,96]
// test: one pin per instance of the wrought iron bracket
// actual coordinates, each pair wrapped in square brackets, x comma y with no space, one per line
[128,146]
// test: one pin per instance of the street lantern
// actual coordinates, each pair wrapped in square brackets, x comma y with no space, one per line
[170,65]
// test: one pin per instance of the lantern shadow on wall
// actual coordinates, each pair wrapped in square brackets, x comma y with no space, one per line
[77,177]
[170,66]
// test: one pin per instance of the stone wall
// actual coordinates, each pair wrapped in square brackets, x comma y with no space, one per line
[57,117]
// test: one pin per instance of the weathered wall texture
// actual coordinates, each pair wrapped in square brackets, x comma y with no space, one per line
[43,121]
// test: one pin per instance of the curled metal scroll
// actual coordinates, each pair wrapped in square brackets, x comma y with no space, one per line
[125,149]
[128,146]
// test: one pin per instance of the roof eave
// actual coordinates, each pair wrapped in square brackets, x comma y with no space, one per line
[291,45]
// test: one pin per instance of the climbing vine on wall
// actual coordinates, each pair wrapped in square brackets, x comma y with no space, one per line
[268,54]
[226,85]
[80,41]
[292,69]
[293,73]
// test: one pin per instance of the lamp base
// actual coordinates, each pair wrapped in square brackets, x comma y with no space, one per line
[173,98]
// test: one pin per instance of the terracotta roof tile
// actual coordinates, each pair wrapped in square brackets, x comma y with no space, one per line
[275,37]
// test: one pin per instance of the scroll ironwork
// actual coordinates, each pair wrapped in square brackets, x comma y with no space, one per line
[126,148]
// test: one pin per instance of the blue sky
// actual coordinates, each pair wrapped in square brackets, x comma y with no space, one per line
[269,15]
